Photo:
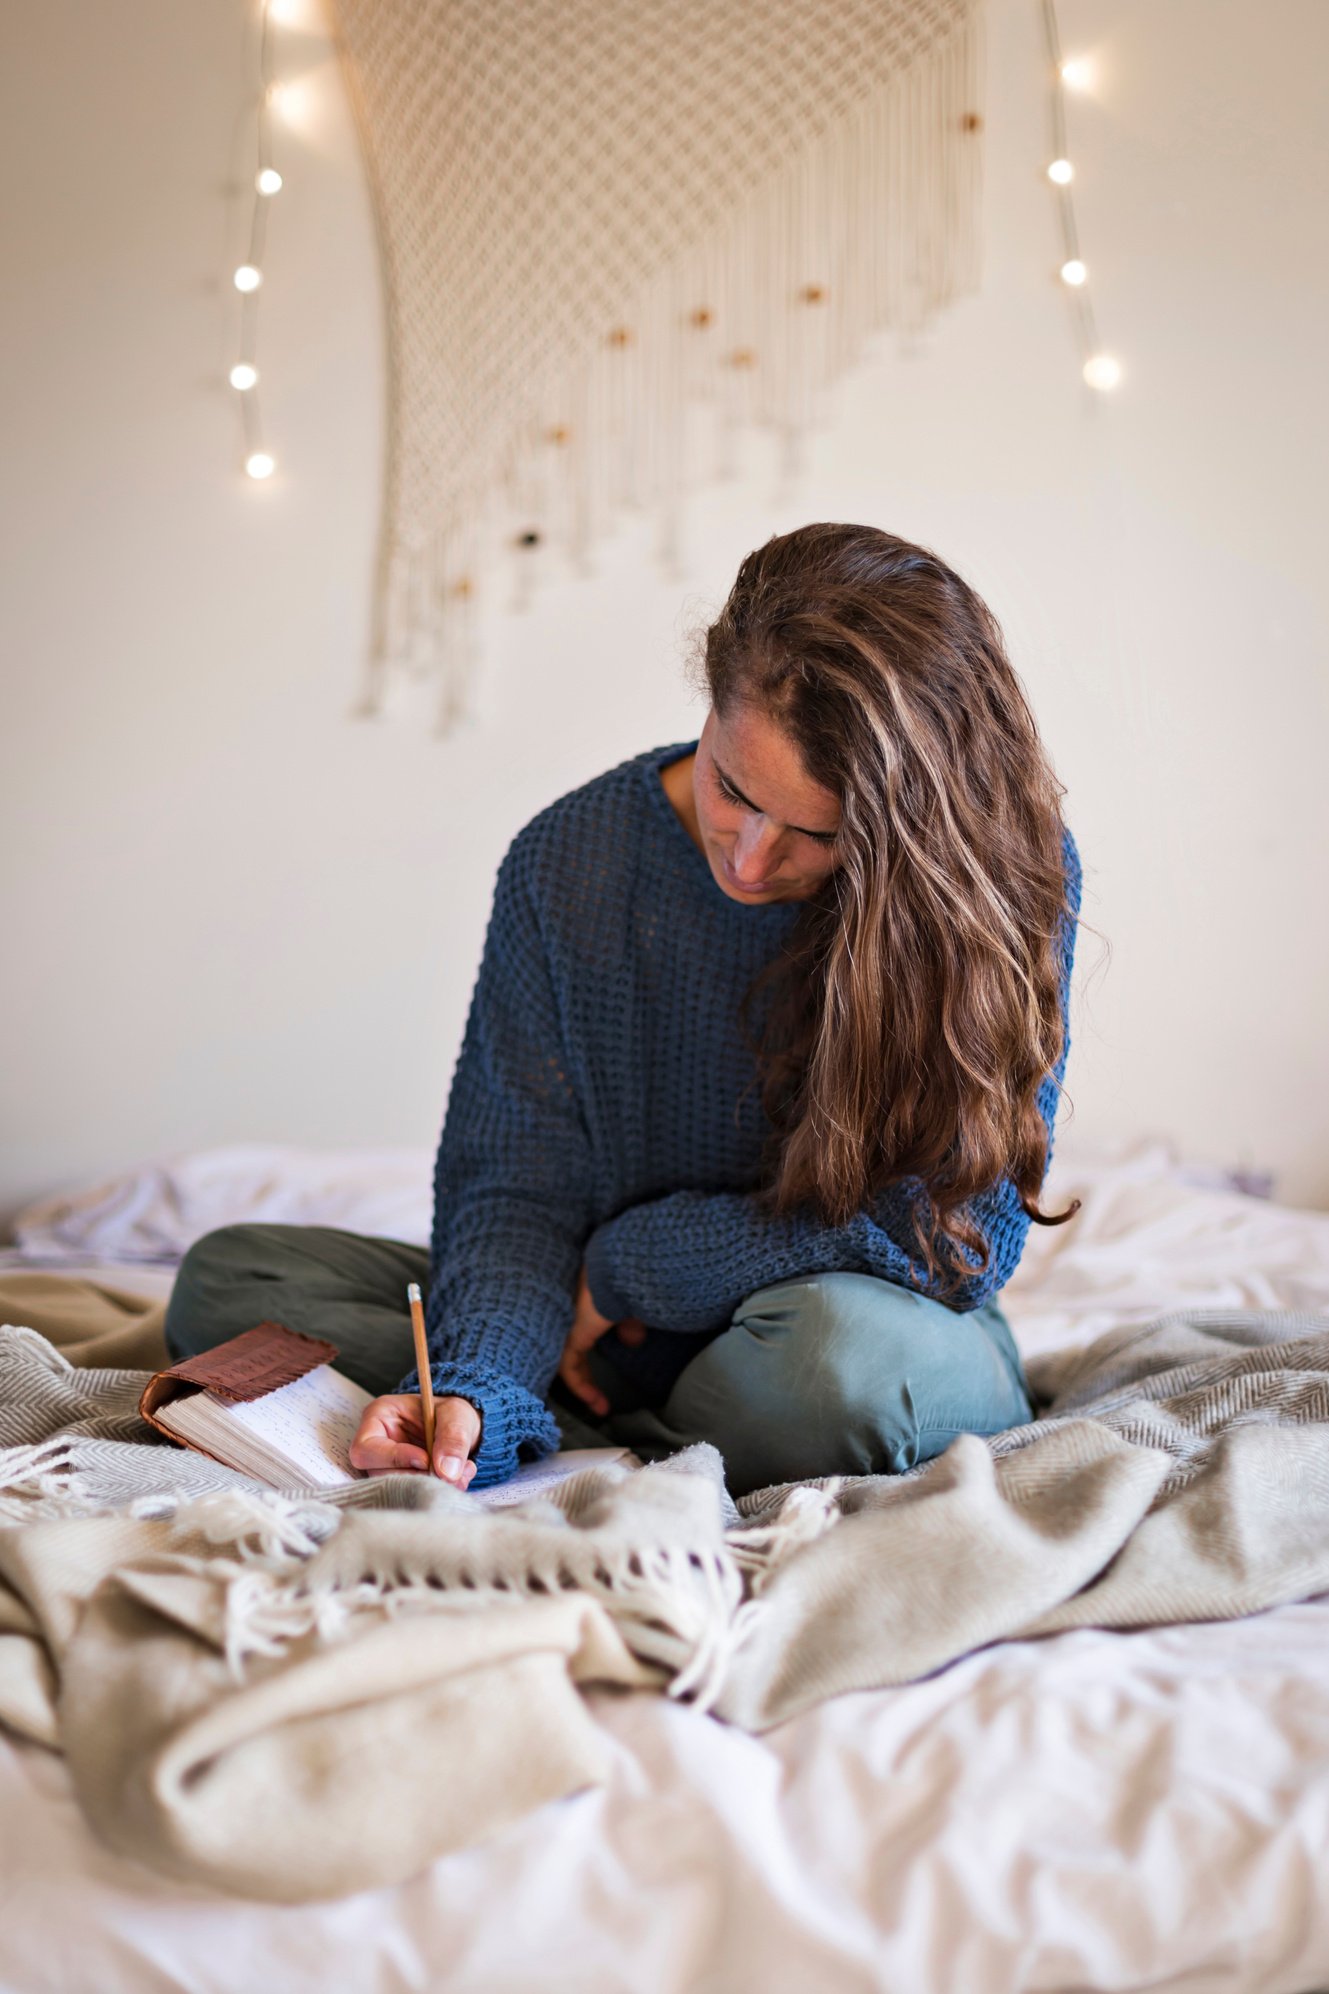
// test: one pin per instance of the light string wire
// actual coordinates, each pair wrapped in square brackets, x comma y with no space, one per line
[1100,370]
[248,278]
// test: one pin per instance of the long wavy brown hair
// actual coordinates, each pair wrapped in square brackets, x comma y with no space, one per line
[909,1025]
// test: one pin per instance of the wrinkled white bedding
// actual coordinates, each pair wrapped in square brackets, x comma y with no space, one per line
[1096,1810]
[1148,1240]
[153,1214]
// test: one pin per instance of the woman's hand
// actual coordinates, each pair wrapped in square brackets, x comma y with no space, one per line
[391,1434]
[588,1326]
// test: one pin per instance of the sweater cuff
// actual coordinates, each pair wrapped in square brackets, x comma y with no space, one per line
[511,1417]
[605,1292]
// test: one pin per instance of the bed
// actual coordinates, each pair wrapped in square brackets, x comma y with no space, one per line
[1093,1810]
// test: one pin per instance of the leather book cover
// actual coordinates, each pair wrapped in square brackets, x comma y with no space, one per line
[249,1366]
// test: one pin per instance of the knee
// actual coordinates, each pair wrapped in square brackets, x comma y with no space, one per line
[220,1255]
[833,1340]
[197,1315]
[813,1378]
[887,1376]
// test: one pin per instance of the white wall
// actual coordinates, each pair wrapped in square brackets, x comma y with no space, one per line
[229,911]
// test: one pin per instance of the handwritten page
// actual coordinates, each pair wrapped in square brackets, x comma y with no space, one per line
[300,1433]
[311,1424]
[536,1477]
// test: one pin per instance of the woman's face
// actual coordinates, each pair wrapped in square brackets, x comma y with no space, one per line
[766,828]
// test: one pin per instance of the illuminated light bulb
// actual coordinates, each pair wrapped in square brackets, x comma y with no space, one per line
[1075,74]
[1102,372]
[290,102]
[269,181]
[260,465]
[247,278]
[244,376]
[1073,272]
[1062,172]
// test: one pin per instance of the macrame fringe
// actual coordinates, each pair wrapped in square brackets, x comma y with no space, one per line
[674,1607]
[685,1609]
[805,1515]
[41,1473]
[256,1525]
[873,225]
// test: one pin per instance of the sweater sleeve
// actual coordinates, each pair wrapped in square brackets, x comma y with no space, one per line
[684,1262]
[512,1190]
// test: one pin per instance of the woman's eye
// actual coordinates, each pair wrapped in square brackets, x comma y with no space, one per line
[729,795]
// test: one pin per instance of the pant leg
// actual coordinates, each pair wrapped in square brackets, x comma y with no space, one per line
[341,1285]
[837,1374]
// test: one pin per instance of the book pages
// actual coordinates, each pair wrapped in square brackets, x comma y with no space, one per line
[301,1433]
[531,1480]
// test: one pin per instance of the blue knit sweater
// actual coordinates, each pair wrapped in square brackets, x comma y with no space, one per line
[602,1110]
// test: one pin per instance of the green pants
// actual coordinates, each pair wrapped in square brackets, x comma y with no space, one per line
[833,1374]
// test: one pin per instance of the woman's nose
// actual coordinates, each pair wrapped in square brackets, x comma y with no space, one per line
[754,849]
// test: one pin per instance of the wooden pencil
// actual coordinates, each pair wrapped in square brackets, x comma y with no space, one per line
[422,1366]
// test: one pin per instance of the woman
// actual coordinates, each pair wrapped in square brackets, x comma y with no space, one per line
[756,1094]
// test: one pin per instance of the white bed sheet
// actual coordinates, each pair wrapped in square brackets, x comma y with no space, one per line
[1093,1811]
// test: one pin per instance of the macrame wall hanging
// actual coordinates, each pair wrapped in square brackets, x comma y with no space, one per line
[597,216]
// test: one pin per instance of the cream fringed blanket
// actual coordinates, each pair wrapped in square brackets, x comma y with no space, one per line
[290,1698]
[598,220]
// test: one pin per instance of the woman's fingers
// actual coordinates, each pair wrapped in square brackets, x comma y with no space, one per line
[588,1326]
[391,1436]
[377,1453]
[456,1430]
[575,1371]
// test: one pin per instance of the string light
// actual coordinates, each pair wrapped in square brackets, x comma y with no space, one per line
[258,460]
[1099,369]
[291,103]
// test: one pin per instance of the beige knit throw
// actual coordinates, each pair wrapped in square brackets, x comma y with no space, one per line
[613,232]
[268,1693]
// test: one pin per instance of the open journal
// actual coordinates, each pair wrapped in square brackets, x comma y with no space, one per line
[269,1404]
